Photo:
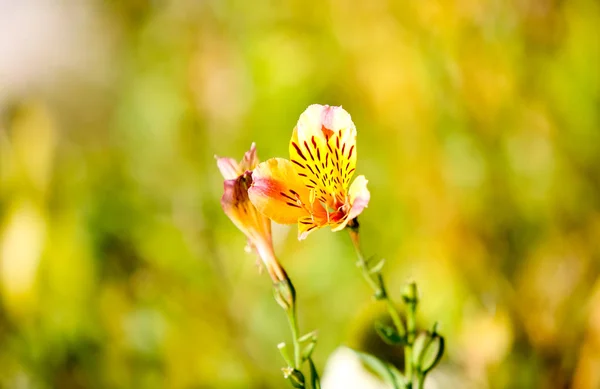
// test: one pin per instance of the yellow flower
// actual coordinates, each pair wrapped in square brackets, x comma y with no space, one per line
[312,188]
[243,214]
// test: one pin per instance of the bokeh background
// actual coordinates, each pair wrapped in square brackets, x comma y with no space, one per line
[478,129]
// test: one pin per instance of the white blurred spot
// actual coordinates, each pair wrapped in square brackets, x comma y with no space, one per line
[43,43]
[344,370]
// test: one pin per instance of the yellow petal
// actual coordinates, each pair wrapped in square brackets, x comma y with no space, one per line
[278,192]
[358,199]
[306,225]
[324,141]
[314,167]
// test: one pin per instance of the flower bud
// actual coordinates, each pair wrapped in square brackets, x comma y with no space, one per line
[428,349]
[294,376]
[409,294]
[284,293]
[418,347]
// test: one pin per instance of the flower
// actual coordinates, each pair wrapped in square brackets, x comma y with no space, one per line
[311,188]
[243,214]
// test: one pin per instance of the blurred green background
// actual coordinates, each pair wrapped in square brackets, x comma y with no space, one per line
[478,129]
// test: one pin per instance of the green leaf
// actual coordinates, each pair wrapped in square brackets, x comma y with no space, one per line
[388,334]
[314,375]
[377,268]
[284,353]
[385,370]
[381,293]
[312,336]
[308,350]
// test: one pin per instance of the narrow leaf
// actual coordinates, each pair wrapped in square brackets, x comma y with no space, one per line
[383,369]
[388,334]
[377,268]
[314,375]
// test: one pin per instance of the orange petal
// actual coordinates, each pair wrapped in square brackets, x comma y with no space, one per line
[278,192]
[243,214]
[318,218]
[358,198]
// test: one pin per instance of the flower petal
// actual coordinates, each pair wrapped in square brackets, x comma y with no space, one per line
[306,224]
[321,120]
[325,141]
[358,198]
[229,167]
[250,159]
[243,214]
[312,163]
[277,191]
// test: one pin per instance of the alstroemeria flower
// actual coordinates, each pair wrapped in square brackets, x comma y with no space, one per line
[313,187]
[243,214]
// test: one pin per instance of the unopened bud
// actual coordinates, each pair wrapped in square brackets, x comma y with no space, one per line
[418,347]
[428,350]
[285,295]
[294,376]
[409,294]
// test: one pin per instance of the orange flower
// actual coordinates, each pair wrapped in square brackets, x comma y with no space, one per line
[243,214]
[312,188]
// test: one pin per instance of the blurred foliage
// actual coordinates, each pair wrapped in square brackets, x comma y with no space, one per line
[478,129]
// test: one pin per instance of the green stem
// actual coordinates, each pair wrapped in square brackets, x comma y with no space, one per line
[408,370]
[365,271]
[378,286]
[295,335]
[376,282]
[420,381]
[285,295]
[395,316]
[411,321]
